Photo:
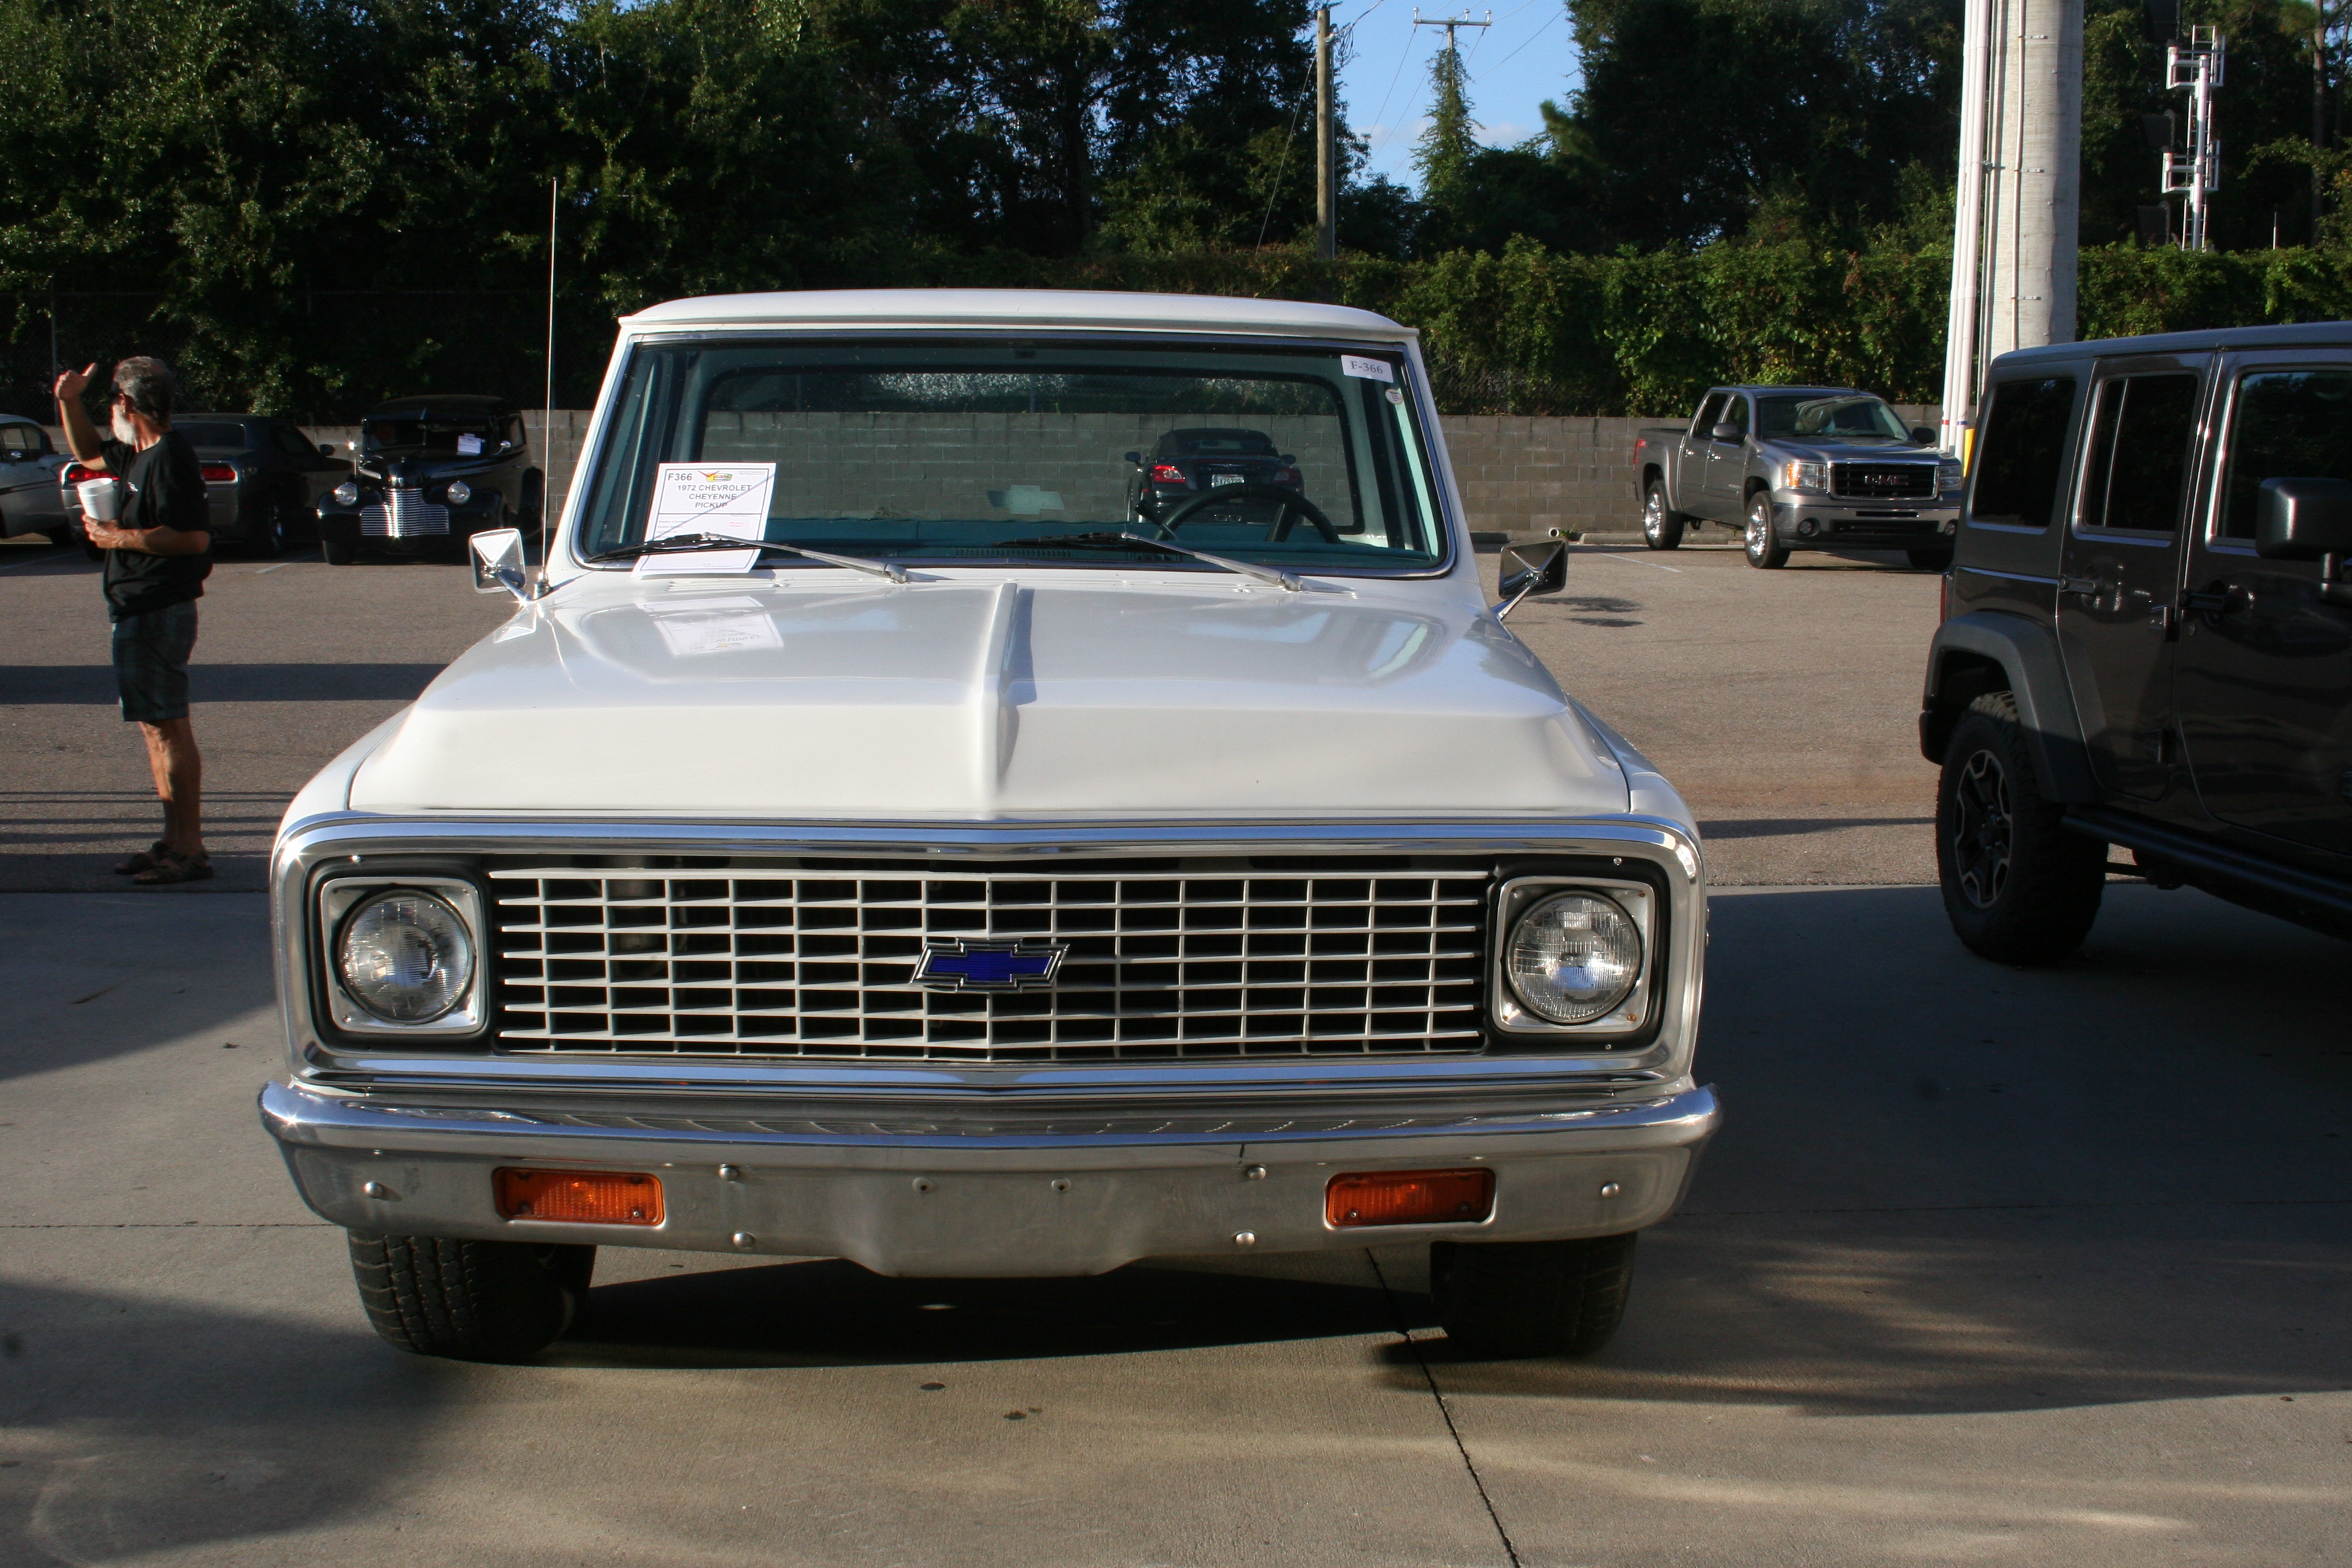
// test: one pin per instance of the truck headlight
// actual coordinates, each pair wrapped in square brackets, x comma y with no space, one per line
[1573,957]
[1947,475]
[1804,477]
[347,494]
[406,956]
[460,492]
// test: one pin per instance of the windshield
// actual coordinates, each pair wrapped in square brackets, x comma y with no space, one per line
[1848,416]
[1003,449]
[435,435]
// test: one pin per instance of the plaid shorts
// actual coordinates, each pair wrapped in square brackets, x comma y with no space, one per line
[151,662]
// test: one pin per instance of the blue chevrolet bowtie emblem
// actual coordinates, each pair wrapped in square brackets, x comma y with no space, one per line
[957,964]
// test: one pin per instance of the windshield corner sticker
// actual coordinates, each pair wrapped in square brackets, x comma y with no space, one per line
[728,499]
[1364,369]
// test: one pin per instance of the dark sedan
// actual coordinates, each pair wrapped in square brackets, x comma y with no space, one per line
[433,471]
[263,478]
[1185,463]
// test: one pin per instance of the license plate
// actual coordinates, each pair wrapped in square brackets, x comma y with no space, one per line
[1216,479]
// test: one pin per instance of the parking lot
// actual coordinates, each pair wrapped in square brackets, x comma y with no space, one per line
[1988,1265]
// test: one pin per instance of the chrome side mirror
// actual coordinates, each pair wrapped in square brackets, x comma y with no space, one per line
[498,566]
[1531,569]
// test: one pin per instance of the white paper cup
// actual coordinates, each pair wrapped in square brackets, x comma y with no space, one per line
[101,499]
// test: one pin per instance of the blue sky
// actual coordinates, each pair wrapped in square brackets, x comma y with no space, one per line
[1525,57]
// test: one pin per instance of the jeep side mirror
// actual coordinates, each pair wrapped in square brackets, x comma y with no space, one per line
[1135,457]
[497,559]
[1921,435]
[2309,520]
[1725,430]
[1531,569]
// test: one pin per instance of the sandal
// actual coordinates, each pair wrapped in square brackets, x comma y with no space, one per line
[170,866]
[145,860]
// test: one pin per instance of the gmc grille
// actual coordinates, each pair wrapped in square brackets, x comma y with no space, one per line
[1166,959]
[1883,481]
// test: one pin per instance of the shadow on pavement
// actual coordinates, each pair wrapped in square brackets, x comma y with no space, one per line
[835,1313]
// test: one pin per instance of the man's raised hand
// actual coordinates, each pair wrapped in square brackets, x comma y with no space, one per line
[69,384]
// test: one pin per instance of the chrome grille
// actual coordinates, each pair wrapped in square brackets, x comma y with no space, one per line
[1883,481]
[406,514]
[1177,959]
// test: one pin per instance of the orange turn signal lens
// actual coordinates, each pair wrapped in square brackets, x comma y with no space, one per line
[1409,1198]
[578,1197]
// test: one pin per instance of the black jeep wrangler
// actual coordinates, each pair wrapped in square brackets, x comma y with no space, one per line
[2147,639]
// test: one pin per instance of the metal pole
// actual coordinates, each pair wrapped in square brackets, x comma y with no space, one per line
[1326,150]
[547,416]
[1968,234]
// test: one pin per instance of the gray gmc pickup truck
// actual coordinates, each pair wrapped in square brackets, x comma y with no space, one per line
[1799,467]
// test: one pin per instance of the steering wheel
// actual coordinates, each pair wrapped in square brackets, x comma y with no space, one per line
[1294,507]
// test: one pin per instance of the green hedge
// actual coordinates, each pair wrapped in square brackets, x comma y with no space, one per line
[1530,332]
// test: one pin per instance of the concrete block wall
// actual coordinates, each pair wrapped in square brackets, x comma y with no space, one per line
[1519,474]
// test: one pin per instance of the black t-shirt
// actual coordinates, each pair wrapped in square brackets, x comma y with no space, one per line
[167,490]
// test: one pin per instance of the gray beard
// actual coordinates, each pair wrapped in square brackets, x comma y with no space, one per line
[124,431]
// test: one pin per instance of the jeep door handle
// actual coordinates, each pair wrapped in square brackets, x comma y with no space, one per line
[2218,601]
[2082,588]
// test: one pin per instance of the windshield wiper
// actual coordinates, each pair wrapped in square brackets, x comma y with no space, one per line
[1106,541]
[676,542]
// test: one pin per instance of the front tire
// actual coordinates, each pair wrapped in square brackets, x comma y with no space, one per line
[1514,1299]
[1764,551]
[1662,526]
[471,1301]
[2018,887]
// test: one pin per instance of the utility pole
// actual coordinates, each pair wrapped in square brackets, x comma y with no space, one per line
[1327,146]
[1449,23]
[2196,66]
[2019,193]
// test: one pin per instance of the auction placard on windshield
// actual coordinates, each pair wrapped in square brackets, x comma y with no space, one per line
[726,499]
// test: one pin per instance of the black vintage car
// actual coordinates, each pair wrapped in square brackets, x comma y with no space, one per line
[1186,463]
[433,471]
[2147,640]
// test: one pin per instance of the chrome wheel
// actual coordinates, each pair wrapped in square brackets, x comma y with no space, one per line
[1981,828]
[1760,535]
[1654,517]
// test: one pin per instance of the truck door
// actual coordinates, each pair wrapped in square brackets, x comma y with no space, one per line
[2263,686]
[1726,462]
[1690,465]
[2120,570]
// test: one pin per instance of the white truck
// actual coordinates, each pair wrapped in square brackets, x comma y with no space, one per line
[871,838]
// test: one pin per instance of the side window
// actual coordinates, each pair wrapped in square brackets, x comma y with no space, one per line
[2286,424]
[19,441]
[1735,412]
[2136,470]
[2021,456]
[1709,412]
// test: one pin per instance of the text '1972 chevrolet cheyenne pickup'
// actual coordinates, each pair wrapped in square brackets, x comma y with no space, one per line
[872,838]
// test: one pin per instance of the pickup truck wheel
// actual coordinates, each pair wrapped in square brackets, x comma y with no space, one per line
[1512,1299]
[1662,525]
[2018,887]
[1764,551]
[1937,559]
[473,1300]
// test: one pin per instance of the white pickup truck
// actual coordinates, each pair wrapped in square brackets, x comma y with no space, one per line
[871,837]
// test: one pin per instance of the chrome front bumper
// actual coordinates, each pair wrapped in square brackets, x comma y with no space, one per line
[955,1199]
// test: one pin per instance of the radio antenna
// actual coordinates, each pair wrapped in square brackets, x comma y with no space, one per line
[547,416]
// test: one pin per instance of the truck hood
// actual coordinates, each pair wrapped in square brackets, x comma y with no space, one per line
[1843,452]
[1173,696]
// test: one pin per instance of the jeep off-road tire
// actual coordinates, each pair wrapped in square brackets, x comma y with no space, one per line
[2018,887]
[1515,1298]
[1763,550]
[473,1301]
[1662,525]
